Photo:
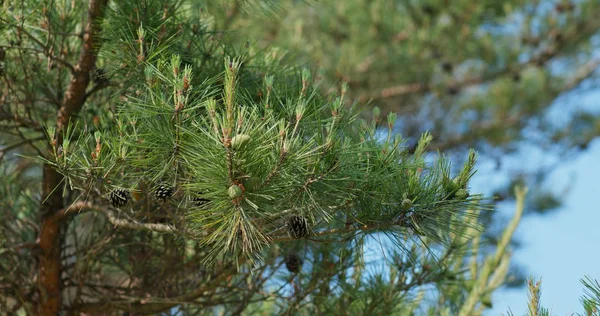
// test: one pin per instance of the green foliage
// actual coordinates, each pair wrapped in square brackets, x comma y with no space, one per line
[301,155]
[473,73]
[218,144]
[590,299]
[492,75]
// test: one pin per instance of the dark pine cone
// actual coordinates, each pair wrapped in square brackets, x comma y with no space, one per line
[297,226]
[163,192]
[118,197]
[447,67]
[293,263]
[199,201]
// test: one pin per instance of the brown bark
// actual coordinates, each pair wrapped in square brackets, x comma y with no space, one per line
[49,281]
[49,242]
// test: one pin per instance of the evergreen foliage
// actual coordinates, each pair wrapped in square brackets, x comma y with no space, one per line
[183,169]
[503,77]
[478,74]
[590,299]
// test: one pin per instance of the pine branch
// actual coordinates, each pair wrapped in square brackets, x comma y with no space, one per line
[157,305]
[24,141]
[115,220]
[542,58]
[533,306]
[239,164]
[481,128]
[44,50]
[491,274]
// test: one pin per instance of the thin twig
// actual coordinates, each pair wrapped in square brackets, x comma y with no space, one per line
[82,206]
[44,49]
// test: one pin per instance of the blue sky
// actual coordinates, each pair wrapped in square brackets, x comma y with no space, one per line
[563,246]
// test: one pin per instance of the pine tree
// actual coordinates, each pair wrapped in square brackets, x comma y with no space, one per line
[475,73]
[181,169]
[489,75]
[498,76]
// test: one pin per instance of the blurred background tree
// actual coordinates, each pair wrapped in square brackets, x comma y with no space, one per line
[480,74]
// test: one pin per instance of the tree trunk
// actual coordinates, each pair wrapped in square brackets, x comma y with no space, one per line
[49,241]
[51,209]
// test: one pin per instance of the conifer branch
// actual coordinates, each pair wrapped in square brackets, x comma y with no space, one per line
[273,172]
[541,58]
[512,121]
[18,144]
[187,187]
[495,266]
[81,206]
[97,87]
[41,51]
[156,305]
[533,306]
[342,231]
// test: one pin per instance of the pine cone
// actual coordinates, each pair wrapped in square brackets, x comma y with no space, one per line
[297,226]
[199,201]
[447,67]
[163,192]
[462,194]
[119,197]
[406,204]
[235,191]
[293,263]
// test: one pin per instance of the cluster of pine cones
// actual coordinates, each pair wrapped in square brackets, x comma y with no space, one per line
[297,226]
[119,197]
